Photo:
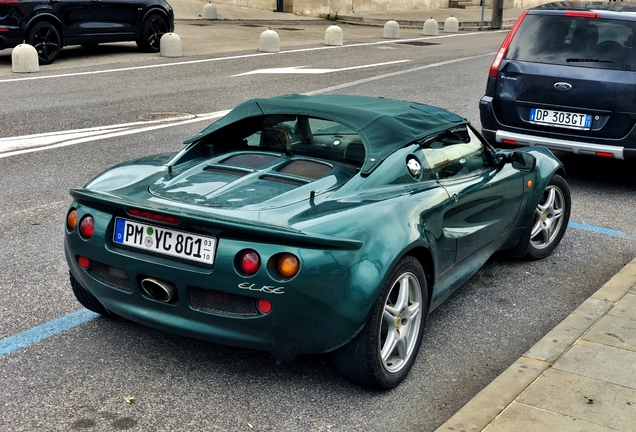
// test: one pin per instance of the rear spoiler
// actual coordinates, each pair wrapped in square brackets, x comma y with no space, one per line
[230,227]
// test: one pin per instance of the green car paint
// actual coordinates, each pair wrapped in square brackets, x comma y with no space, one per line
[348,227]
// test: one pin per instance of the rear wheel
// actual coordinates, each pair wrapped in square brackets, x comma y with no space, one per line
[46,40]
[550,219]
[88,300]
[154,27]
[382,354]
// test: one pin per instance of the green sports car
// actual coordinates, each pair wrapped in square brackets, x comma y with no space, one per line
[311,224]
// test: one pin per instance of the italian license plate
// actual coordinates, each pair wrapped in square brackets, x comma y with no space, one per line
[560,119]
[164,241]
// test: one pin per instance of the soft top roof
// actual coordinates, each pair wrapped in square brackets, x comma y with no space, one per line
[384,125]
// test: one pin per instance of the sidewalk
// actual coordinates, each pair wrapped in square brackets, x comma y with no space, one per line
[469,19]
[580,376]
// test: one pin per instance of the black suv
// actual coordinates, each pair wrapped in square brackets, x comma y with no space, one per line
[565,78]
[49,25]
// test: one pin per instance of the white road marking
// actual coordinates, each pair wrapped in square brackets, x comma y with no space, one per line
[242,56]
[31,143]
[307,70]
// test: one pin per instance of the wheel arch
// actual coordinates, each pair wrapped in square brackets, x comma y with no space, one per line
[51,19]
[158,10]
[425,258]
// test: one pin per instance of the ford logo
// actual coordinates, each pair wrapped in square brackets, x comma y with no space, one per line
[562,86]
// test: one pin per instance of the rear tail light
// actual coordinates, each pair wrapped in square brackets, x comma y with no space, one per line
[509,142]
[87,227]
[248,262]
[288,265]
[71,219]
[494,68]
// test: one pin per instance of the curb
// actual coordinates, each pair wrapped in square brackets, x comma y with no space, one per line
[379,22]
[479,412]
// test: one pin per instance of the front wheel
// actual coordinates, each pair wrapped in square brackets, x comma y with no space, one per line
[153,28]
[46,40]
[550,219]
[384,351]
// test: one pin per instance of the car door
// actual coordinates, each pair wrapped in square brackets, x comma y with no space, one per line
[76,16]
[115,20]
[484,197]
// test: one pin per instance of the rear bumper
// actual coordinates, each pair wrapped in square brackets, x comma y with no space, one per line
[11,38]
[317,311]
[496,133]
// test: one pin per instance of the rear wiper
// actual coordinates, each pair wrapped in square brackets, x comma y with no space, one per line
[590,60]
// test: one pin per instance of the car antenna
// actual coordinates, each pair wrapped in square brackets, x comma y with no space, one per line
[287,151]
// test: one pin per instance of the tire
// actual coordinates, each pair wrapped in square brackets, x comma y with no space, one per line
[153,28]
[88,300]
[382,354]
[550,219]
[46,40]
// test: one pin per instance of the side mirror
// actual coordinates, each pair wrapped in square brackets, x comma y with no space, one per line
[523,161]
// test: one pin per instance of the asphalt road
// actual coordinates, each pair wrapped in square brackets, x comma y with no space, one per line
[79,379]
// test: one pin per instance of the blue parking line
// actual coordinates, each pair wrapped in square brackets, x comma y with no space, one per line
[598,230]
[45,330]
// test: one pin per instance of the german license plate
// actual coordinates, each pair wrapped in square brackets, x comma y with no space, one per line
[164,241]
[560,119]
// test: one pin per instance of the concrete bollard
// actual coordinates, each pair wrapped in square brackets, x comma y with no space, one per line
[24,58]
[430,27]
[391,30]
[333,36]
[451,25]
[269,41]
[170,45]
[209,12]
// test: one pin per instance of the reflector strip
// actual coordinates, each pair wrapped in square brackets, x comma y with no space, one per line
[605,155]
[154,216]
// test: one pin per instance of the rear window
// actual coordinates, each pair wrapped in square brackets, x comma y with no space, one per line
[575,41]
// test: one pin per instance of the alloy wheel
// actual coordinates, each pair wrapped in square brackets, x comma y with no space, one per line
[400,324]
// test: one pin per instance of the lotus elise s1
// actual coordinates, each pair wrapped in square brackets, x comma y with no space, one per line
[311,224]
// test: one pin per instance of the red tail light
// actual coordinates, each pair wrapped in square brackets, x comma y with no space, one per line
[509,142]
[494,68]
[87,227]
[154,216]
[249,262]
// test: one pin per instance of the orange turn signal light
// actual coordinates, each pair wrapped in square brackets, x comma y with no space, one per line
[288,265]
[71,219]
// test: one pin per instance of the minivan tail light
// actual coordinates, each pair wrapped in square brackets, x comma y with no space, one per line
[494,68]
